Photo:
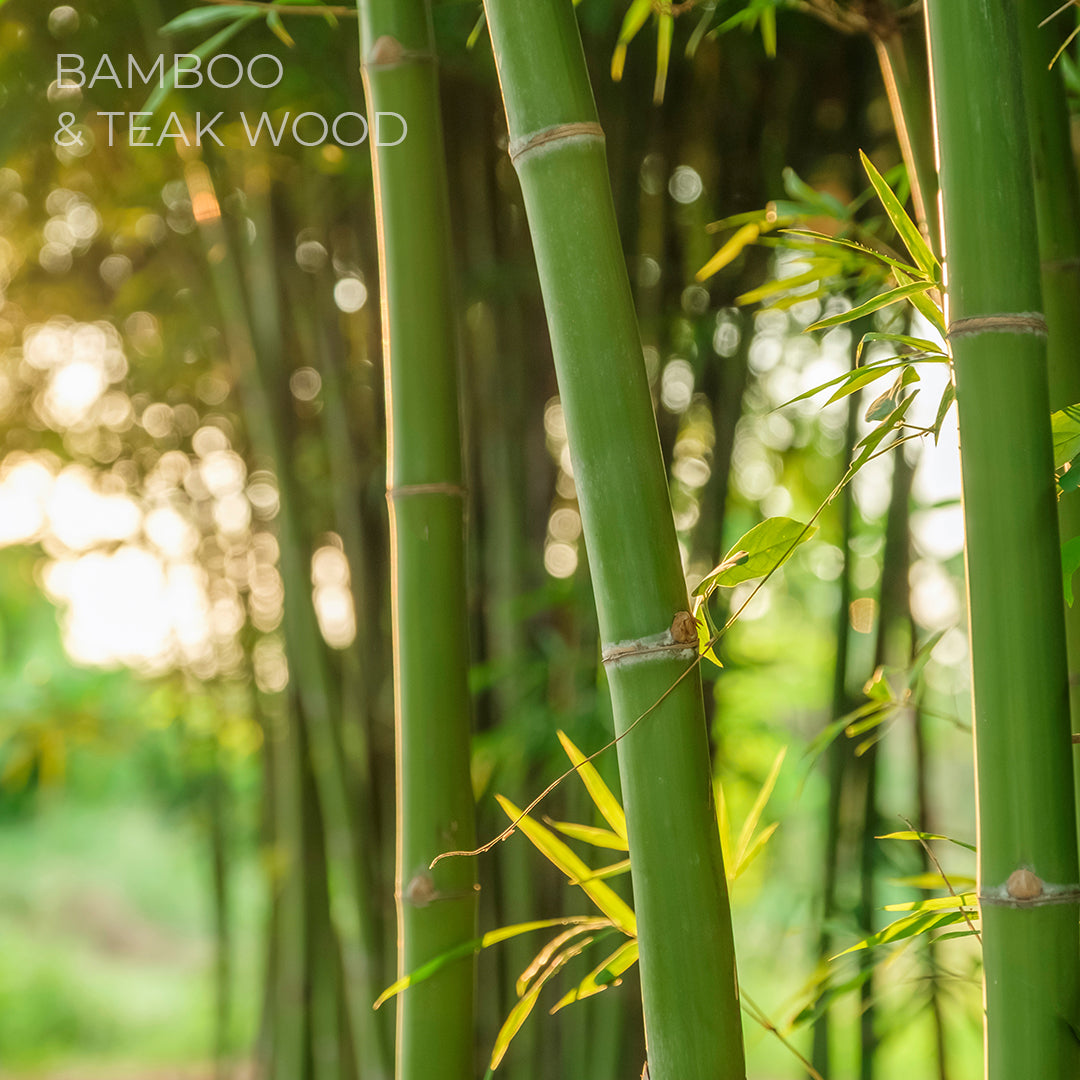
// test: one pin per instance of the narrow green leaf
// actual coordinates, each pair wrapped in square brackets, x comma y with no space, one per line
[468,948]
[876,303]
[868,444]
[932,880]
[520,1012]
[605,873]
[589,834]
[544,956]
[609,902]
[753,851]
[861,377]
[705,630]
[768,31]
[948,396]
[635,18]
[1065,424]
[754,816]
[665,31]
[874,257]
[924,304]
[909,926]
[780,285]
[914,834]
[905,228]
[207,48]
[277,28]
[1070,563]
[937,903]
[610,808]
[768,545]
[601,977]
[731,250]
[476,31]
[920,345]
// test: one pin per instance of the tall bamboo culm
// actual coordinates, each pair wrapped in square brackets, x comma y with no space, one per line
[435,813]
[1057,207]
[692,1022]
[1027,831]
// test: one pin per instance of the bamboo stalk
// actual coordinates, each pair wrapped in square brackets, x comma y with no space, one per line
[689,990]
[1057,208]
[1027,826]
[436,907]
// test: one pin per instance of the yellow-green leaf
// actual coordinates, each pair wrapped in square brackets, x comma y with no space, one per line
[608,901]
[624,957]
[609,807]
[590,834]
[745,235]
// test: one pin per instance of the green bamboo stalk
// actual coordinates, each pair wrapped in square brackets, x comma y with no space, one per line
[1027,826]
[255,341]
[436,907]
[1057,208]
[839,756]
[689,988]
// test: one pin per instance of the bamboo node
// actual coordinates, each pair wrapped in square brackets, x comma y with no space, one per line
[679,639]
[389,52]
[1024,885]
[405,490]
[527,143]
[1025,888]
[421,890]
[684,628]
[1026,322]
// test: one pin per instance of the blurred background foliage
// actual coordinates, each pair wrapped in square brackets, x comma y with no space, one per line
[162,897]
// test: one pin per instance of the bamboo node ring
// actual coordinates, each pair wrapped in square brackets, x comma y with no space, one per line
[679,639]
[1024,888]
[1026,322]
[527,143]
[405,490]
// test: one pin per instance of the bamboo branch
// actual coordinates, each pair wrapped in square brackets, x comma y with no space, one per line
[287,9]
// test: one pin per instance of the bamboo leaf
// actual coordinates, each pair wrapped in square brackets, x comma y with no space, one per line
[468,948]
[875,257]
[1065,425]
[601,977]
[767,545]
[610,808]
[544,956]
[869,444]
[920,345]
[779,285]
[932,880]
[860,377]
[706,632]
[589,834]
[754,850]
[767,25]
[207,48]
[635,18]
[277,28]
[914,834]
[754,816]
[665,31]
[924,304]
[520,1012]
[609,902]
[936,903]
[731,250]
[606,872]
[906,229]
[882,300]
[948,396]
[920,922]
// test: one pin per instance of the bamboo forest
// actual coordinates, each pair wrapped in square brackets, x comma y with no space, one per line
[537,540]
